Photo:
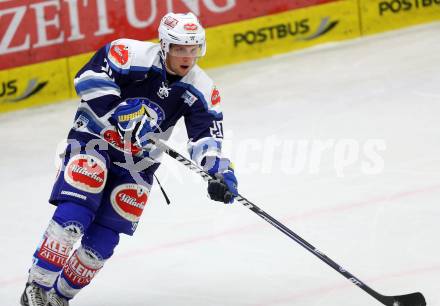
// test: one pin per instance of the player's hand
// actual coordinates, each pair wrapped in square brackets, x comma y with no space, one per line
[223,187]
[132,122]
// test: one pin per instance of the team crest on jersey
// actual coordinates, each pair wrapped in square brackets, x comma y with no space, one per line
[119,55]
[155,113]
[86,173]
[215,96]
[129,201]
[189,98]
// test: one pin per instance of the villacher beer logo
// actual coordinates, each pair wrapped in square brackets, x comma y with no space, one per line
[9,90]
[190,27]
[301,30]
[113,137]
[215,96]
[129,201]
[86,173]
[119,53]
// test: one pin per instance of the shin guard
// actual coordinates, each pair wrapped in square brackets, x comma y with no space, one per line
[66,227]
[96,247]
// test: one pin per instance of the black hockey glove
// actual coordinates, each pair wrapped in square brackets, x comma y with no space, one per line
[218,190]
[224,187]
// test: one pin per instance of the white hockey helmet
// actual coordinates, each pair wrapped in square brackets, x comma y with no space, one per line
[182,29]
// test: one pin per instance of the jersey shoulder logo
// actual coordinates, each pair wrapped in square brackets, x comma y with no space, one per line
[119,55]
[215,96]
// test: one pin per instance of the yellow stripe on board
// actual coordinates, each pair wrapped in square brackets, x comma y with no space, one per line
[384,15]
[33,85]
[52,81]
[279,33]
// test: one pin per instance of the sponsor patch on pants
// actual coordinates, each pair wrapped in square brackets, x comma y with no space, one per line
[129,201]
[86,173]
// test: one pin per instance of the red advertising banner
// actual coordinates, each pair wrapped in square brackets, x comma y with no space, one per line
[32,31]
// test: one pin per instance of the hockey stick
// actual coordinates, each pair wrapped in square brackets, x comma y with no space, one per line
[412,299]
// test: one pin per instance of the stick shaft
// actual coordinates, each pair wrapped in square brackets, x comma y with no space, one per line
[413,299]
[288,232]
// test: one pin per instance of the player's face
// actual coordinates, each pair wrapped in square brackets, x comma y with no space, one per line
[181,59]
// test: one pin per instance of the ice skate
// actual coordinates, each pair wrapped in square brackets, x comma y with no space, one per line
[53,299]
[33,295]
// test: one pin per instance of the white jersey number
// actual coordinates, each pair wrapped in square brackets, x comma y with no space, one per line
[217,129]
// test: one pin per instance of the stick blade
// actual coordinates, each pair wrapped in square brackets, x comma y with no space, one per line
[412,299]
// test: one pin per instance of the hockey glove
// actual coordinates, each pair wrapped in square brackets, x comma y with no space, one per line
[132,122]
[223,187]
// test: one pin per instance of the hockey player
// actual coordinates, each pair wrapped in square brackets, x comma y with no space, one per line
[131,92]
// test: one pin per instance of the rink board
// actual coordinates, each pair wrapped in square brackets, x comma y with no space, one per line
[33,85]
[279,33]
[269,35]
[33,31]
[52,81]
[380,16]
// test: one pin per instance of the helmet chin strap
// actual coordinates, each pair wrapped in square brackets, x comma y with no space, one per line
[163,57]
[168,68]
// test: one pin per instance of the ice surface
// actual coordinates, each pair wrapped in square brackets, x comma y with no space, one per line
[377,95]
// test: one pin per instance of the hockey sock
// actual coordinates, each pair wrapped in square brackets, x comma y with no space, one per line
[96,247]
[68,224]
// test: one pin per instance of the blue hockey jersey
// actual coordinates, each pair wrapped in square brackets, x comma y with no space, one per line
[130,69]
